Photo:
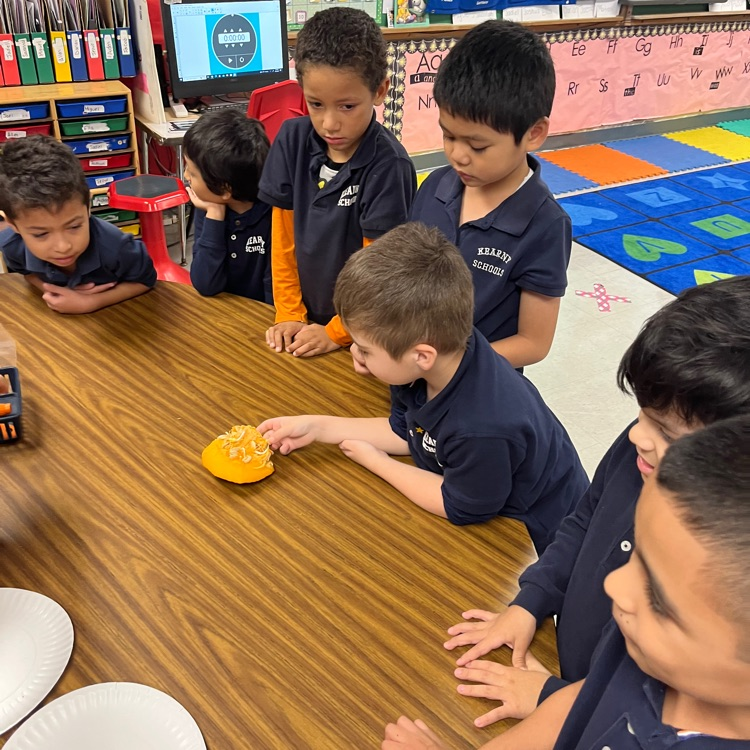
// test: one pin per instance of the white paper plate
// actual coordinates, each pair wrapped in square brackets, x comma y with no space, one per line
[110,716]
[36,638]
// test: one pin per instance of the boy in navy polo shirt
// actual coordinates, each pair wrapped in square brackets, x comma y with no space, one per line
[224,156]
[336,179]
[79,263]
[483,440]
[494,92]
[689,366]
[673,668]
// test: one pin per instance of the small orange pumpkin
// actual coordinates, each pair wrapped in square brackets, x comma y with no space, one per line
[241,455]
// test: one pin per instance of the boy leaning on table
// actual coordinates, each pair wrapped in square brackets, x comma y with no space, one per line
[483,440]
[673,668]
[79,263]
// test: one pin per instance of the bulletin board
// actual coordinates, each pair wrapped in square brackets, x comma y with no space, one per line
[604,77]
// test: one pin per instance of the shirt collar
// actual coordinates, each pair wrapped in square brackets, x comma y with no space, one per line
[248,218]
[513,215]
[434,410]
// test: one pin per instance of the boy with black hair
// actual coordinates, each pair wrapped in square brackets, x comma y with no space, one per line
[336,180]
[224,155]
[483,440]
[688,367]
[673,669]
[494,91]
[79,263]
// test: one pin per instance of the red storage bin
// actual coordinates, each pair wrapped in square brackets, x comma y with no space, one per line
[91,163]
[22,131]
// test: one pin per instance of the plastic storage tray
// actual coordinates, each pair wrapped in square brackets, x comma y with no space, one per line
[110,106]
[102,180]
[23,131]
[92,163]
[10,424]
[95,145]
[115,215]
[20,112]
[87,127]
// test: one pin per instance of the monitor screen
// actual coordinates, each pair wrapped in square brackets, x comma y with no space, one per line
[225,47]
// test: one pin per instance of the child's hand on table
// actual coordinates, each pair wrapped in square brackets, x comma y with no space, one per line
[406,734]
[311,341]
[518,689]
[76,301]
[281,336]
[514,628]
[285,434]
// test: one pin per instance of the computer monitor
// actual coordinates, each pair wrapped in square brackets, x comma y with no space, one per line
[225,47]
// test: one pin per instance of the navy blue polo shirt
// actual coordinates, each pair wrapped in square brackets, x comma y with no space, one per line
[568,579]
[371,194]
[523,244]
[620,707]
[112,255]
[234,255]
[498,446]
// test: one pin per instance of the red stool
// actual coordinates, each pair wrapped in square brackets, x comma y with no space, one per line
[149,195]
[275,103]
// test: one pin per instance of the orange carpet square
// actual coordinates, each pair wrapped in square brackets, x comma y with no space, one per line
[602,164]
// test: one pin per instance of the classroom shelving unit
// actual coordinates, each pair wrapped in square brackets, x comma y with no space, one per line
[95,119]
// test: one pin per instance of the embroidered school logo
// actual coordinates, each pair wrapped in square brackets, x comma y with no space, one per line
[349,196]
[255,244]
[428,444]
[497,268]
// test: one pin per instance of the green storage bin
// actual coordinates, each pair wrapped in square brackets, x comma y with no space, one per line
[113,215]
[99,125]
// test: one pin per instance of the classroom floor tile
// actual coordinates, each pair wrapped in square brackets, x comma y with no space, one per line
[716,140]
[666,153]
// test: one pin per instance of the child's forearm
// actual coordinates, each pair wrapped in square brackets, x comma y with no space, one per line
[35,281]
[377,431]
[422,487]
[520,350]
[119,293]
[540,730]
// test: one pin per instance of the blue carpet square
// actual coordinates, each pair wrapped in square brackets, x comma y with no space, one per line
[704,271]
[647,247]
[590,212]
[658,198]
[743,254]
[724,184]
[744,205]
[723,226]
[560,180]
[666,153]
[744,166]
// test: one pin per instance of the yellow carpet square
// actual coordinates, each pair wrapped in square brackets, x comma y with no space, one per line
[716,141]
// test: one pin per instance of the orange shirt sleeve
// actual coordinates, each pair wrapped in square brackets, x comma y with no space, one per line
[335,328]
[287,292]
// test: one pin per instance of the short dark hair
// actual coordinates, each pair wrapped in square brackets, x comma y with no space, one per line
[499,74]
[229,150]
[411,286]
[343,38]
[707,473]
[39,172]
[693,356]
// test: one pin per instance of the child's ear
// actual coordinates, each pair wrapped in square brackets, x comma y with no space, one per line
[9,222]
[226,194]
[381,91]
[424,356]
[537,134]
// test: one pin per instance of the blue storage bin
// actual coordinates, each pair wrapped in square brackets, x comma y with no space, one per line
[110,106]
[102,180]
[20,112]
[467,6]
[443,6]
[99,145]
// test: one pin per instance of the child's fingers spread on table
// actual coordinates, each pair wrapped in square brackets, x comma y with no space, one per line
[497,714]
[478,614]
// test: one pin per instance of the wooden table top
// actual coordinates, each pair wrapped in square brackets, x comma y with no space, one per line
[305,611]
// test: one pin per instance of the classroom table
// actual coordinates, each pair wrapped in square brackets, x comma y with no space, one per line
[305,611]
